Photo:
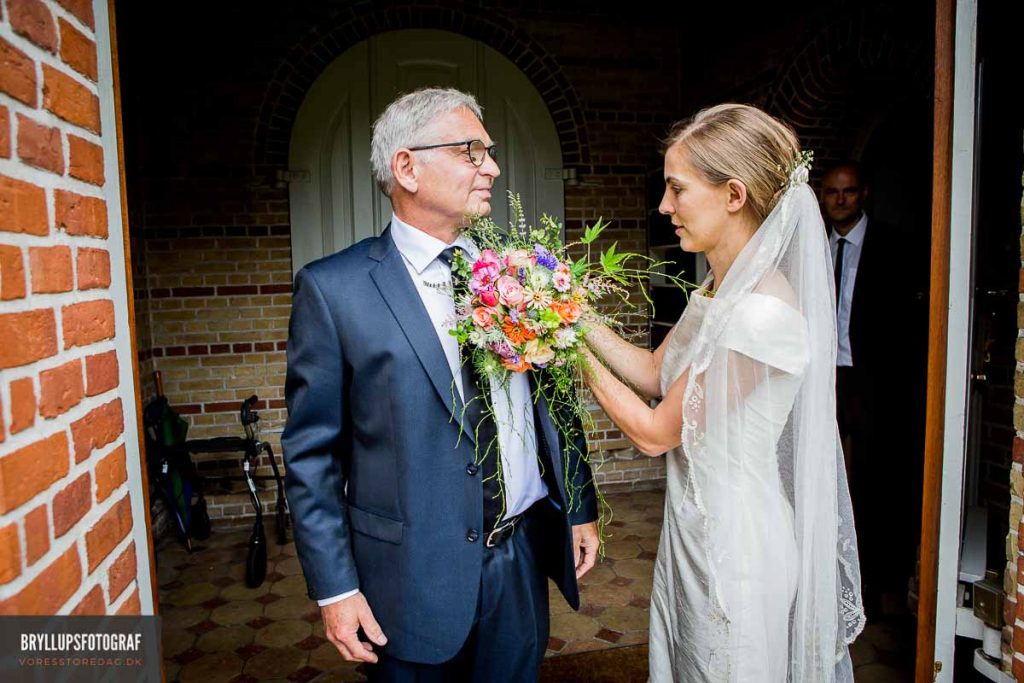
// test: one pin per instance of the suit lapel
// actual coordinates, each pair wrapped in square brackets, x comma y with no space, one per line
[862,284]
[863,266]
[396,287]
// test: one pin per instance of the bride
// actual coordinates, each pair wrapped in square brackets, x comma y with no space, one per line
[757,577]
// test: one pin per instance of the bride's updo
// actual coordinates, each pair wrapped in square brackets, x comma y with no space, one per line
[737,141]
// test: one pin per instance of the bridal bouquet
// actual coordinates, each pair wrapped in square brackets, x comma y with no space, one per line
[524,304]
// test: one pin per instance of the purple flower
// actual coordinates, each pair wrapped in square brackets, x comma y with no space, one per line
[544,257]
[514,315]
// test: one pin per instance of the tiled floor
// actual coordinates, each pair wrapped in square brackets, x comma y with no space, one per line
[215,629]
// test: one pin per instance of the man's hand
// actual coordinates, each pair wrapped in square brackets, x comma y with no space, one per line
[342,620]
[585,544]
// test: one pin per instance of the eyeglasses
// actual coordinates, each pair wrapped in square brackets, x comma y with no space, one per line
[474,148]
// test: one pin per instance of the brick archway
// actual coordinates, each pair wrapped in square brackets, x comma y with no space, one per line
[836,88]
[309,56]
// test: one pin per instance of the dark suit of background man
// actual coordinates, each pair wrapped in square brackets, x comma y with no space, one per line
[395,529]
[880,399]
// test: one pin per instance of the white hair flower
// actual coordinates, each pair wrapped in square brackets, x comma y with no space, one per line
[799,176]
[800,173]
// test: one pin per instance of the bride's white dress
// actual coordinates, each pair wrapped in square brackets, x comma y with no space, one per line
[721,597]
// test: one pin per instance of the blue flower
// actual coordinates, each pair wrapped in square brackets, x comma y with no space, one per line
[544,257]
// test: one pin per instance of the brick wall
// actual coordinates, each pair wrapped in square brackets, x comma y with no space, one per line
[208,132]
[1013,576]
[72,536]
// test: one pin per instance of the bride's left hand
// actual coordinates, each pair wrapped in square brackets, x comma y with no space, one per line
[585,544]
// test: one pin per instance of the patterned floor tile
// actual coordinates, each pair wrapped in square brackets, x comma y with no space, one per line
[311,643]
[326,656]
[606,595]
[304,675]
[191,594]
[641,570]
[288,586]
[236,613]
[182,617]
[278,662]
[220,667]
[284,633]
[623,619]
[226,639]
[175,641]
[275,632]
[239,591]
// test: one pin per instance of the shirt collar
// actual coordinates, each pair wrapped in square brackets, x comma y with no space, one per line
[421,249]
[856,235]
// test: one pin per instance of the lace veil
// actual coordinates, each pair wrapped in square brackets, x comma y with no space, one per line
[787,264]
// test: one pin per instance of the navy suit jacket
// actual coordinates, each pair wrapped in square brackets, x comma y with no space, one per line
[376,466]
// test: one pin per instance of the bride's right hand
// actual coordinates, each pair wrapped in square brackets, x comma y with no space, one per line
[639,368]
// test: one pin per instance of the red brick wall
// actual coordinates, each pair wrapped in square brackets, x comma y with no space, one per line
[1013,577]
[68,537]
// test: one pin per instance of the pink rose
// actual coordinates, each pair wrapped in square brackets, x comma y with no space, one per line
[487,268]
[483,317]
[510,291]
[488,297]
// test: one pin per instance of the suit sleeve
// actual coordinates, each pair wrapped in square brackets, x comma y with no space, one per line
[313,443]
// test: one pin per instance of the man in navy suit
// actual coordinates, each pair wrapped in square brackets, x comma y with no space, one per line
[398,525]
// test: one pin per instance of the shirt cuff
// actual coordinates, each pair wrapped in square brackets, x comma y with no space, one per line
[337,598]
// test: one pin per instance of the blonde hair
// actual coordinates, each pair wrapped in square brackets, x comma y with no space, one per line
[737,141]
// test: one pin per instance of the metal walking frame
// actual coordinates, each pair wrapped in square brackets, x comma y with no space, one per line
[179,481]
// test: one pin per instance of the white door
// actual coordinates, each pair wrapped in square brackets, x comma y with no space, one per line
[334,201]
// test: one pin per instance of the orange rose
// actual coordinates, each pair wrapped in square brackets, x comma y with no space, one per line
[482,317]
[568,311]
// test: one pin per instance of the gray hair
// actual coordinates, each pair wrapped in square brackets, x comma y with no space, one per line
[405,122]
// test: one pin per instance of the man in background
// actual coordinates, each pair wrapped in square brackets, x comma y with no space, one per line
[879,391]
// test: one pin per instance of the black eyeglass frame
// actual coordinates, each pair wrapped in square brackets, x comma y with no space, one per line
[488,151]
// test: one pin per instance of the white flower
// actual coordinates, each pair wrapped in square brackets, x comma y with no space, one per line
[565,338]
[539,278]
[799,176]
[478,337]
[537,298]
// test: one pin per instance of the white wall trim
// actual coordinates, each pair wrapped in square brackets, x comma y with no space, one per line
[119,293]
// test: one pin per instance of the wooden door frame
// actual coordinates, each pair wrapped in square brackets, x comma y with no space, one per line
[129,286]
[948,346]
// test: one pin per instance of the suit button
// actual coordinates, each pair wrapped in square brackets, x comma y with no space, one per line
[472,535]
[472,469]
